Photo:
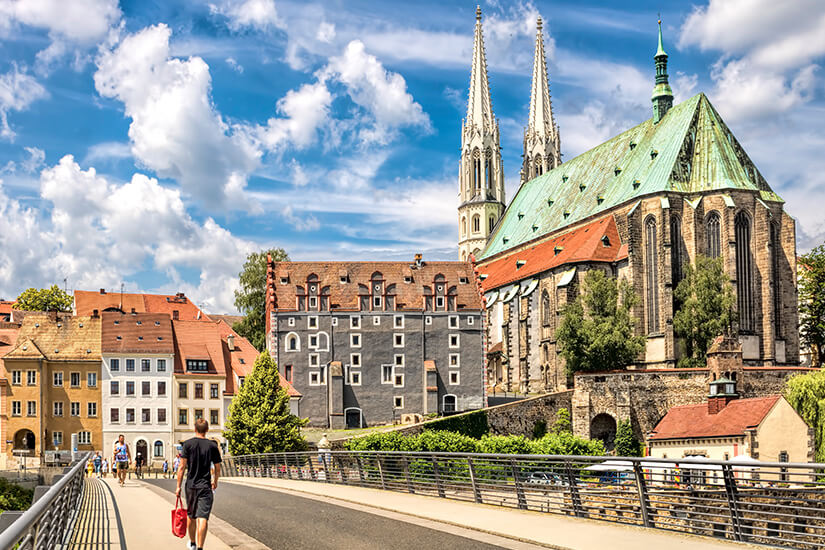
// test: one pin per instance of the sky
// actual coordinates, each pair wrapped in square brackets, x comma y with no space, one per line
[155,143]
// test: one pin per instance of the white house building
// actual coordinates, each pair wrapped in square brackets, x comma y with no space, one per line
[136,389]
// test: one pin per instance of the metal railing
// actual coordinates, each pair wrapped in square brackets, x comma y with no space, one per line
[771,503]
[48,522]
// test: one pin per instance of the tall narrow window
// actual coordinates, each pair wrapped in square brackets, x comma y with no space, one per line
[476,172]
[652,275]
[492,223]
[712,230]
[545,308]
[744,273]
[488,173]
[776,251]
[676,249]
[476,224]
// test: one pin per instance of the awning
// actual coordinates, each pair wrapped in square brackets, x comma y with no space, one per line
[566,277]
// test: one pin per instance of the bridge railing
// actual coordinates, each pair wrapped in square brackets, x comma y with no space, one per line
[778,504]
[48,522]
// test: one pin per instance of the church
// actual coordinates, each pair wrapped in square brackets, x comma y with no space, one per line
[639,206]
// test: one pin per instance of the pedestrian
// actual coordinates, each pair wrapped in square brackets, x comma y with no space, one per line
[176,464]
[105,466]
[98,460]
[165,467]
[198,456]
[139,460]
[90,468]
[122,457]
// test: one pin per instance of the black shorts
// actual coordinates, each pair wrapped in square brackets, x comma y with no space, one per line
[199,502]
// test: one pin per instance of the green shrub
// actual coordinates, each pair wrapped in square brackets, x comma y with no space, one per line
[625,442]
[539,429]
[14,497]
[565,443]
[505,444]
[472,424]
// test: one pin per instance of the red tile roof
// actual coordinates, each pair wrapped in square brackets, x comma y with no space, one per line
[694,421]
[136,333]
[242,360]
[5,307]
[85,302]
[345,297]
[583,244]
[198,340]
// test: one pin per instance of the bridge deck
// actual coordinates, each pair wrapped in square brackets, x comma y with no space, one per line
[97,525]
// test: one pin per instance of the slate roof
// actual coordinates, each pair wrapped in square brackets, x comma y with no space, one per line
[136,333]
[690,150]
[694,421]
[57,338]
[345,297]
[85,302]
[597,241]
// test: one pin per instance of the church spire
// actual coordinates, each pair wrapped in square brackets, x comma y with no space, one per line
[541,139]
[480,176]
[479,106]
[662,94]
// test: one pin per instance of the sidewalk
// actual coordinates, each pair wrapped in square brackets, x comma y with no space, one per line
[147,520]
[553,531]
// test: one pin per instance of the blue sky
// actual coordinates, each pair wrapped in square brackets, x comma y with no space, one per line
[156,143]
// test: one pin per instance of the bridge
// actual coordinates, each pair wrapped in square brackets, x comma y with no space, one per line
[403,500]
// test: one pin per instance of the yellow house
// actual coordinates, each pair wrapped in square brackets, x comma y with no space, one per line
[764,428]
[53,371]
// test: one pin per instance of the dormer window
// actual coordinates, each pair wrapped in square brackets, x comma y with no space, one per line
[139,323]
[197,365]
[463,280]
[343,279]
[284,280]
[408,279]
[605,240]
[157,323]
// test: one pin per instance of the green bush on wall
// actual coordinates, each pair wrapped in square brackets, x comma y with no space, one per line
[472,424]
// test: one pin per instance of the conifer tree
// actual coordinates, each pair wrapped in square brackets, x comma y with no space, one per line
[259,418]
[625,442]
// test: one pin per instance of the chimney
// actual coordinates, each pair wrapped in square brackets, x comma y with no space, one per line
[103,291]
[134,312]
[95,314]
[175,314]
[722,392]
[230,340]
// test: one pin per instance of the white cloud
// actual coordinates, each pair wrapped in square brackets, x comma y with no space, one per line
[108,150]
[176,130]
[305,223]
[234,65]
[18,90]
[326,32]
[304,111]
[256,14]
[35,160]
[684,86]
[98,233]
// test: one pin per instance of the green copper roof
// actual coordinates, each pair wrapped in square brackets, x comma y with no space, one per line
[690,150]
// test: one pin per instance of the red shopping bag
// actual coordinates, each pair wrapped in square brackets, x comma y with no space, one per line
[179,520]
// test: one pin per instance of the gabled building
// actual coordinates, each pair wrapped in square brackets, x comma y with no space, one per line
[640,206]
[365,343]
[137,362]
[53,371]
[176,306]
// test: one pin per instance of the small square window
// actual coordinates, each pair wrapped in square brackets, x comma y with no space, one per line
[335,321]
[313,302]
[376,320]
[470,320]
[355,359]
[399,360]
[291,321]
[314,360]
[439,302]
[398,340]
[398,402]
[284,280]
[398,380]
[376,301]
[453,321]
[398,321]
[354,378]
[314,378]
[463,280]
[407,279]
[428,320]
[454,340]
[354,321]
[355,340]
[313,341]
[455,360]
[455,378]
[312,321]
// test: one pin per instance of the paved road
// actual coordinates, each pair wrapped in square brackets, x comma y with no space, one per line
[289,522]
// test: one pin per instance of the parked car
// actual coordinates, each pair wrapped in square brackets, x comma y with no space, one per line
[544,478]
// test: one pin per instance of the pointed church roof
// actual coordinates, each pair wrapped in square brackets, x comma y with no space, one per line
[541,110]
[690,150]
[479,105]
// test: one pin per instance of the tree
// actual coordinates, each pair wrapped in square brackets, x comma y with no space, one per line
[806,394]
[707,308]
[597,329]
[811,304]
[625,442]
[44,299]
[259,418]
[250,299]
[563,423]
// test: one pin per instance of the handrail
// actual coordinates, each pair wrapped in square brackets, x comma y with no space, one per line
[780,504]
[48,521]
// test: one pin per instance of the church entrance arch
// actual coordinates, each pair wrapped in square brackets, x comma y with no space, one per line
[603,427]
[24,440]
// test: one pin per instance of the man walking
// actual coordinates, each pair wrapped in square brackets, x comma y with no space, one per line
[198,456]
[139,466]
[121,459]
[98,461]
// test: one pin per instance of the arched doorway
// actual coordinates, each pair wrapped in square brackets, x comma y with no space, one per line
[353,418]
[24,440]
[603,427]
[141,448]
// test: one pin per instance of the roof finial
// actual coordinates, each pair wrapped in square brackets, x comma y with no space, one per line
[662,94]
[478,12]
[538,22]
[661,49]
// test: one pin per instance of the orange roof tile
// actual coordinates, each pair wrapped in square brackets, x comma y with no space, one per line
[85,302]
[583,244]
[694,421]
[61,337]
[409,296]
[198,340]
[136,332]
[5,307]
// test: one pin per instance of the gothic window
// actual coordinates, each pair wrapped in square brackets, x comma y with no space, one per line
[744,272]
[463,226]
[492,223]
[676,258]
[539,166]
[652,275]
[713,232]
[545,308]
[476,224]
[776,251]
[476,171]
[488,171]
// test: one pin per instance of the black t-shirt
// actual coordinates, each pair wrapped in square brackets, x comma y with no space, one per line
[200,453]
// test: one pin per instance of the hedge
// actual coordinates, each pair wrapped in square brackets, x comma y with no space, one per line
[472,424]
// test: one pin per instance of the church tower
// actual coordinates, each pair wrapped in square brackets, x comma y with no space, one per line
[542,144]
[662,94]
[480,176]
